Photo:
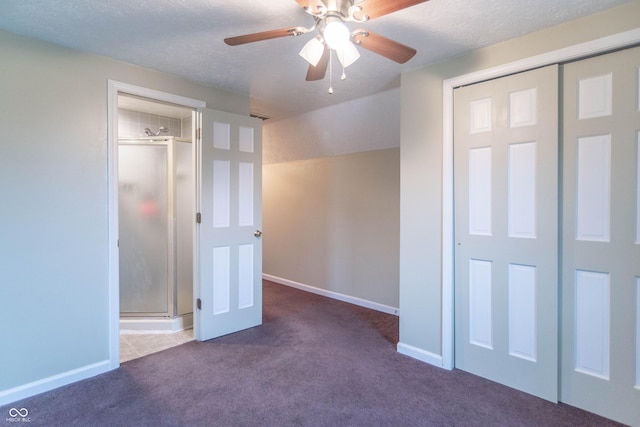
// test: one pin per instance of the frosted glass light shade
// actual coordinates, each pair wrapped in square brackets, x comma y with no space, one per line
[312,51]
[336,34]
[348,54]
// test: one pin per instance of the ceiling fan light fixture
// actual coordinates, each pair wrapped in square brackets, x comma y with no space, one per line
[336,34]
[312,51]
[330,18]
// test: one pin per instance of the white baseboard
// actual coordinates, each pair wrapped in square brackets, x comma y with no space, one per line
[55,381]
[334,295]
[421,355]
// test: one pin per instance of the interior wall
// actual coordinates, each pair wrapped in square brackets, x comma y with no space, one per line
[54,288]
[368,123]
[333,223]
[421,164]
[311,188]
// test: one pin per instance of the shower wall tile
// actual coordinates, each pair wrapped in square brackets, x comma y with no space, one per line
[187,127]
[166,122]
[177,125]
[133,123]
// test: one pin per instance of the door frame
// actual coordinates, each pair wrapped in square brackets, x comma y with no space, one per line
[598,46]
[113,88]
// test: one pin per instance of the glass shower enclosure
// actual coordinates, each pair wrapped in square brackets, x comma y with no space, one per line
[156,217]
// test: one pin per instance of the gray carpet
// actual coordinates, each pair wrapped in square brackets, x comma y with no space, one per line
[314,362]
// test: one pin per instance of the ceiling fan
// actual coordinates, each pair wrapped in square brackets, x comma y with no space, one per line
[330,18]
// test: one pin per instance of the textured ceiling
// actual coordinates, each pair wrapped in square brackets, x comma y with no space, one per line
[185,38]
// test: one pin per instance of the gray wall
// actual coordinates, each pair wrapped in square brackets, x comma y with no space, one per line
[53,209]
[421,162]
[333,223]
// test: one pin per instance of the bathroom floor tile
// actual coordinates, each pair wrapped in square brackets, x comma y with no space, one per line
[133,346]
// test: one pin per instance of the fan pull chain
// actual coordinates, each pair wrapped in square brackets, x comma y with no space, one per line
[330,72]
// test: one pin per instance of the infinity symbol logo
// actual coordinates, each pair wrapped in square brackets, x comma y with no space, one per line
[14,413]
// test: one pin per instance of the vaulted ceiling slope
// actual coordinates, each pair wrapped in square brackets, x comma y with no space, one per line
[185,38]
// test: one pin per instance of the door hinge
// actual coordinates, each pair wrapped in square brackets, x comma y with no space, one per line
[199,304]
[198,133]
[199,218]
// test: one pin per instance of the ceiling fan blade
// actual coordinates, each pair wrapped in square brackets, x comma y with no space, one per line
[318,72]
[376,8]
[311,5]
[383,46]
[264,35]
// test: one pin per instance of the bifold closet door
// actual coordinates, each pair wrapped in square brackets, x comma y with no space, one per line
[601,236]
[506,185]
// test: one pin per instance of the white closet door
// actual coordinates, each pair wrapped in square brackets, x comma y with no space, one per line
[228,237]
[506,305]
[601,236]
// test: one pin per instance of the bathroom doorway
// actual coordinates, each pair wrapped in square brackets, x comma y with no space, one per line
[156,210]
[227,257]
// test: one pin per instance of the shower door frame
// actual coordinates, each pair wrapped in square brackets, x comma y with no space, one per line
[113,89]
[169,144]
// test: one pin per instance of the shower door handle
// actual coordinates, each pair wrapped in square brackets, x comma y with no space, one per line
[257,233]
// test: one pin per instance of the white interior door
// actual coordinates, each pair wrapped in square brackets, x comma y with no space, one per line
[506,215]
[229,245]
[601,236]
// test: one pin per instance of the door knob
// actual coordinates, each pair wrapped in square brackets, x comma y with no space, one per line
[257,233]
